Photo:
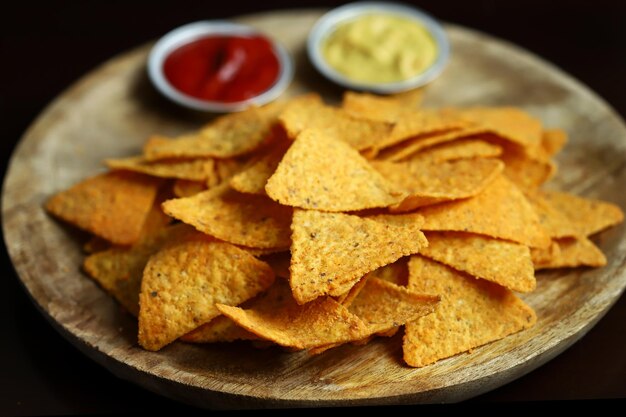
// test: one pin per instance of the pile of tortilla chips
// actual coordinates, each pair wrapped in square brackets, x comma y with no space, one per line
[310,226]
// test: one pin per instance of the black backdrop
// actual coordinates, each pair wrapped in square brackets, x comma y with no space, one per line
[45,46]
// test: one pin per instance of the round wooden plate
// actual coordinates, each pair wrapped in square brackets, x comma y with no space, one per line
[110,112]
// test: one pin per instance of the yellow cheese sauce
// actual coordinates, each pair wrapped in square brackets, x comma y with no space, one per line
[380,49]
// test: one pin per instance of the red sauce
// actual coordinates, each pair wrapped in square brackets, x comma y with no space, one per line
[223,68]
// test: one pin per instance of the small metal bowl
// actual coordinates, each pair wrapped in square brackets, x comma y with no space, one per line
[327,24]
[194,31]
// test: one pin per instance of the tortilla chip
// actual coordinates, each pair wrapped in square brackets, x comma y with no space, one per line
[357,132]
[409,148]
[396,273]
[382,305]
[228,136]
[322,173]
[279,262]
[242,219]
[186,188]
[510,123]
[588,215]
[252,180]
[348,297]
[119,270]
[553,140]
[226,168]
[506,263]
[381,108]
[183,282]
[500,211]
[113,205]
[572,252]
[188,169]
[276,316]
[527,169]
[458,149]
[472,312]
[553,221]
[332,251]
[220,329]
[427,183]
[545,255]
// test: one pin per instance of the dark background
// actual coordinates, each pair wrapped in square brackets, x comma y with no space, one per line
[46,46]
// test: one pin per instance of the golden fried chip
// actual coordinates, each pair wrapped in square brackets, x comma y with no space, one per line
[119,270]
[225,169]
[382,108]
[407,149]
[458,149]
[332,251]
[472,312]
[510,123]
[186,188]
[252,179]
[322,173]
[276,316]
[226,137]
[113,205]
[500,211]
[553,140]
[188,169]
[220,329]
[528,169]
[572,252]
[428,183]
[506,263]
[553,221]
[545,255]
[588,215]
[359,133]
[243,219]
[396,273]
[348,297]
[183,282]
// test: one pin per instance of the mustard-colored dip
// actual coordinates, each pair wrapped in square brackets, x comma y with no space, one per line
[380,48]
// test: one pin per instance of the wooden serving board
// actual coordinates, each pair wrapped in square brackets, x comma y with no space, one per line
[111,111]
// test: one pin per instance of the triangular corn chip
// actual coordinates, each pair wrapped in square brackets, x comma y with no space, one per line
[500,211]
[458,149]
[183,282]
[276,316]
[383,108]
[186,188]
[332,251]
[572,252]
[553,140]
[357,132]
[220,329]
[527,168]
[252,179]
[502,262]
[242,219]
[472,312]
[200,169]
[113,205]
[322,173]
[428,183]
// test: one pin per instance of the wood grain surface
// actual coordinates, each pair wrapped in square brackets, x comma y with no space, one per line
[111,111]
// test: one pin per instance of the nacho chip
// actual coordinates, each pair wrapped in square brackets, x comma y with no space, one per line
[348,297]
[528,169]
[188,169]
[226,137]
[183,282]
[252,179]
[186,188]
[553,140]
[382,305]
[357,132]
[500,211]
[322,173]
[242,219]
[458,149]
[381,108]
[506,263]
[276,316]
[588,215]
[510,123]
[545,255]
[572,252]
[113,205]
[332,251]
[225,169]
[553,221]
[219,329]
[409,148]
[427,183]
[119,270]
[472,312]
[396,273]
